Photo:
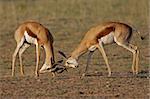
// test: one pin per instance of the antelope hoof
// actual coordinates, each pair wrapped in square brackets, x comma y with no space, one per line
[22,75]
[136,73]
[36,75]
[53,74]
[84,74]
[109,75]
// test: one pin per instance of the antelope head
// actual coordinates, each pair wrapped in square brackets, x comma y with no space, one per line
[70,62]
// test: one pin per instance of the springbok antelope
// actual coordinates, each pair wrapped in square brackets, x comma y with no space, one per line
[28,33]
[106,33]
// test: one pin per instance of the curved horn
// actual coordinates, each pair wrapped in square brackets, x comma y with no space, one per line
[58,67]
[63,54]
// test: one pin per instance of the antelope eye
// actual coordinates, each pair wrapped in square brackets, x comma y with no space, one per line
[68,63]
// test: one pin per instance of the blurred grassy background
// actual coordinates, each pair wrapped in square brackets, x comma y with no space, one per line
[84,12]
[68,20]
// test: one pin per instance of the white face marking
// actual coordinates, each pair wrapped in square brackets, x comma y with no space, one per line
[71,62]
[108,39]
[30,39]
[44,68]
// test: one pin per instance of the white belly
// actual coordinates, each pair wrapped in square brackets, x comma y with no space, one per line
[30,39]
[108,39]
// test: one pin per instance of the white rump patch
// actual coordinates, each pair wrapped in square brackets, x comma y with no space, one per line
[29,38]
[108,39]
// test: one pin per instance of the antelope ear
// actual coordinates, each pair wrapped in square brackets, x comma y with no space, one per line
[63,54]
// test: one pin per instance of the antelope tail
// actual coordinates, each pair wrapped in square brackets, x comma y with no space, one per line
[142,38]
